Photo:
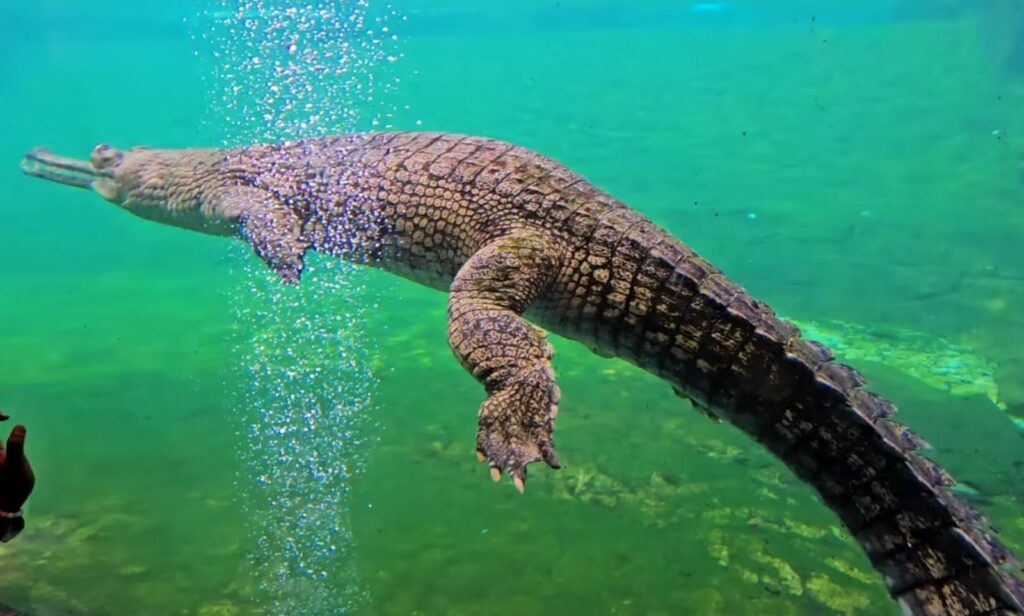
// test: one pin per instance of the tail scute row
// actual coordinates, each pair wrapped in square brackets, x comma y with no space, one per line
[936,553]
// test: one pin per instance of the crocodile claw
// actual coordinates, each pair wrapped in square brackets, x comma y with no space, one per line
[550,456]
[516,426]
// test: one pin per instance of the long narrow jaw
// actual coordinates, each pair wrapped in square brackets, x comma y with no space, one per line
[44,164]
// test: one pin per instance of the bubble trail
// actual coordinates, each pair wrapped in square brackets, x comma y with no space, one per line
[307,392]
[285,72]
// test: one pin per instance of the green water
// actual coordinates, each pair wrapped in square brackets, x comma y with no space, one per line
[861,171]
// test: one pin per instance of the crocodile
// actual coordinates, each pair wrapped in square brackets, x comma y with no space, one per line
[523,245]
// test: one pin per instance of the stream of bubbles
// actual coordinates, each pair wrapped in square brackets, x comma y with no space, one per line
[287,71]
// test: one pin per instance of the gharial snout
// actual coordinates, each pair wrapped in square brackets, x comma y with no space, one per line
[97,173]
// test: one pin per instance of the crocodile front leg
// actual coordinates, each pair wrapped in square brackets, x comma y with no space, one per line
[509,356]
[274,229]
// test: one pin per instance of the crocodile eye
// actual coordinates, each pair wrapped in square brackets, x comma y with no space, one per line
[104,157]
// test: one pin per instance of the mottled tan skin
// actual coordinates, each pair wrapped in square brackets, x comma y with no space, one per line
[516,237]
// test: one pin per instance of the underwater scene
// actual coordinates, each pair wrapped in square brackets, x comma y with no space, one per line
[208,440]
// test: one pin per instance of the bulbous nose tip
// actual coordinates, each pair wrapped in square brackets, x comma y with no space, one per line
[104,157]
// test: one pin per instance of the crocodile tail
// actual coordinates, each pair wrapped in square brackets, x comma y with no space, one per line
[936,554]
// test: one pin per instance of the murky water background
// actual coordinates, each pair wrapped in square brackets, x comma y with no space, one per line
[858,167]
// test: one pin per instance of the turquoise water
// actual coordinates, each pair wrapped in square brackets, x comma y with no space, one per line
[858,167]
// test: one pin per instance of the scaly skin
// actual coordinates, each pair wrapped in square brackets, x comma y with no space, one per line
[513,236]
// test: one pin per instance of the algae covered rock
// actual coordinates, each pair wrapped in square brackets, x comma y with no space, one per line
[841,599]
[932,361]
[221,608]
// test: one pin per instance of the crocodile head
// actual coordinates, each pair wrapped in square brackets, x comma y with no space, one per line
[175,187]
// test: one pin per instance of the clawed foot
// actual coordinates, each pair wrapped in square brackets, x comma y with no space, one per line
[516,423]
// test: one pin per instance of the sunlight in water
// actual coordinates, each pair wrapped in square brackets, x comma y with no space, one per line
[286,72]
